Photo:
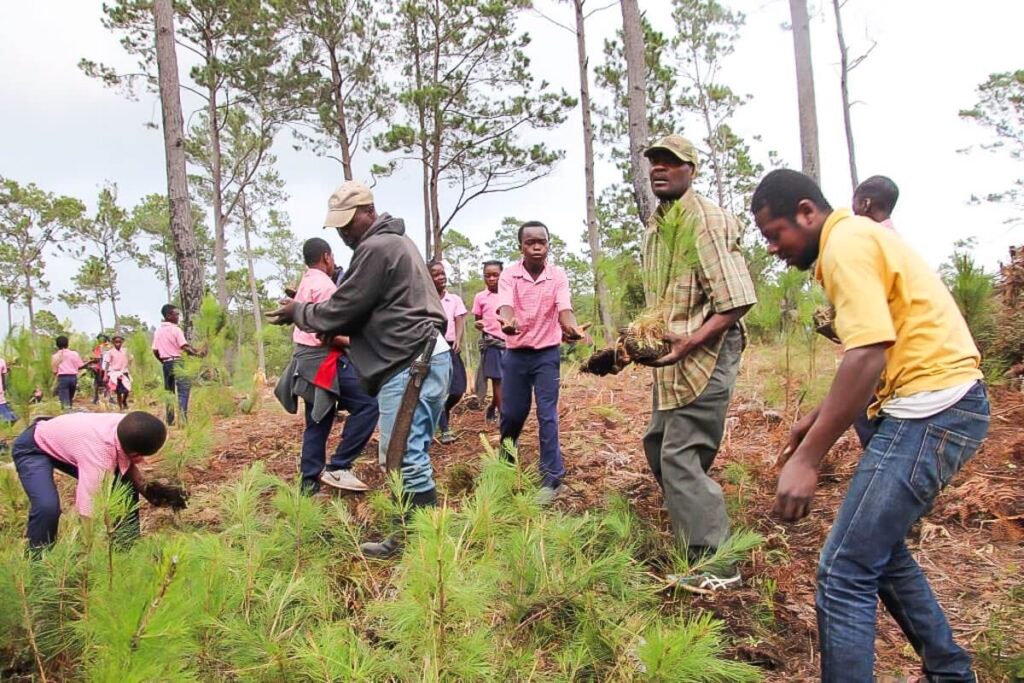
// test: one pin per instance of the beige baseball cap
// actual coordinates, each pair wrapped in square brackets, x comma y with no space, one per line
[677,146]
[342,203]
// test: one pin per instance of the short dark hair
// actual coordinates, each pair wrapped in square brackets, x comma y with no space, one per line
[166,309]
[314,249]
[116,337]
[532,224]
[494,262]
[882,191]
[435,262]
[783,189]
[62,342]
[141,433]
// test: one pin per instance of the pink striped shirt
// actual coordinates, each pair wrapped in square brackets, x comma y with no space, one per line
[66,362]
[117,360]
[535,304]
[3,380]
[168,340]
[316,286]
[454,307]
[89,442]
[485,307]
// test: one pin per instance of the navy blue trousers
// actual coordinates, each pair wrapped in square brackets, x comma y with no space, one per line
[35,470]
[525,372]
[177,383]
[362,418]
[67,385]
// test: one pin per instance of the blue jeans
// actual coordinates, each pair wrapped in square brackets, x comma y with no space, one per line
[536,371]
[417,472]
[35,470]
[176,383]
[359,426]
[6,414]
[905,465]
[67,385]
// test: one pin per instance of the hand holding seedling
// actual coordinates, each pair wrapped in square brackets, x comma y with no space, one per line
[509,325]
[285,315]
[479,325]
[680,347]
[797,482]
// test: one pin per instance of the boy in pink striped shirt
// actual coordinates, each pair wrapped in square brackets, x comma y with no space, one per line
[119,380]
[6,414]
[86,446]
[66,364]
[536,315]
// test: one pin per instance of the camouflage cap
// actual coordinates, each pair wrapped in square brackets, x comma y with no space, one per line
[677,146]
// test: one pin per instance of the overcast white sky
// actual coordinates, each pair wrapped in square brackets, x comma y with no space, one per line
[69,134]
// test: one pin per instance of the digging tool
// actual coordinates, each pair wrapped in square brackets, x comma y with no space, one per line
[403,420]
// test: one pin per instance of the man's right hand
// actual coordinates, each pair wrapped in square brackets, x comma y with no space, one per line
[285,315]
[479,324]
[797,434]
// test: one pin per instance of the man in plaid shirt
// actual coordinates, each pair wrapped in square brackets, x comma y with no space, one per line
[708,294]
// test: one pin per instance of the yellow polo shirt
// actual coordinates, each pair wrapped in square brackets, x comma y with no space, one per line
[883,291]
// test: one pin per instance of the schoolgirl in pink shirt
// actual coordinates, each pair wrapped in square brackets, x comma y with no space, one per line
[455,314]
[119,380]
[492,339]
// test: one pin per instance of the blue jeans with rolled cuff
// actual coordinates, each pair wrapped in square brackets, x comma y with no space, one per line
[905,465]
[417,472]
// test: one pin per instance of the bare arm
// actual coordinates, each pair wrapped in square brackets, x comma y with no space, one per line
[852,388]
[713,328]
[460,330]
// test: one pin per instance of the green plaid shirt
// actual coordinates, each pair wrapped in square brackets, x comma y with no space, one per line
[716,281]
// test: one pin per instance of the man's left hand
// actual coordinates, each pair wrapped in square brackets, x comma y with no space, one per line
[456,347]
[797,483]
[285,315]
[680,347]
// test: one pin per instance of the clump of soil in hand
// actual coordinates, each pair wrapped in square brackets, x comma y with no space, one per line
[601,363]
[644,339]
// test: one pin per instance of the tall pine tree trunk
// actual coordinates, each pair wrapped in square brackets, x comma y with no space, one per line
[99,314]
[844,87]
[254,296]
[636,84]
[10,318]
[219,240]
[811,160]
[190,275]
[113,305]
[339,111]
[593,238]
[29,302]
[167,278]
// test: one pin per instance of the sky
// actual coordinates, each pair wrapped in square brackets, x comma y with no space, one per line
[70,135]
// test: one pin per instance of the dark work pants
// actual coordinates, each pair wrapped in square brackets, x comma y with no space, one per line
[67,385]
[362,419]
[176,383]
[681,445]
[533,371]
[35,470]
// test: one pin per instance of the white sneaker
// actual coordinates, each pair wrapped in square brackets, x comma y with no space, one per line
[547,495]
[343,479]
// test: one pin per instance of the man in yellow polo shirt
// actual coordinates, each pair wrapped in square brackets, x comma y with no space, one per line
[896,320]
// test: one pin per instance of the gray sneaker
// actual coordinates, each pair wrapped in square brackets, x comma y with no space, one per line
[707,581]
[447,437]
[547,495]
[343,479]
[389,547]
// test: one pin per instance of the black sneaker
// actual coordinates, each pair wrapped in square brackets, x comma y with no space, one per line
[389,547]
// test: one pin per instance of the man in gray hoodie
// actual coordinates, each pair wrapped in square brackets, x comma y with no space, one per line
[388,306]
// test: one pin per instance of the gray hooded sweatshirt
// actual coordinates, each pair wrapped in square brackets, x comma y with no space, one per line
[386,303]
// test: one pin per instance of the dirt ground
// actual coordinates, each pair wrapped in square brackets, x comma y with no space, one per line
[970,546]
